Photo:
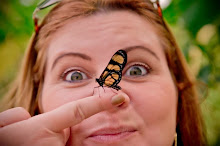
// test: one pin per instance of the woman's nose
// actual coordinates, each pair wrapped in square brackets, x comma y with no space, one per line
[118,98]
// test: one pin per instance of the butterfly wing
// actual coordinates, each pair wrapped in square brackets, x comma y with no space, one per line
[112,74]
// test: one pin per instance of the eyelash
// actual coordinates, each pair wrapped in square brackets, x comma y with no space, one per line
[66,72]
[148,69]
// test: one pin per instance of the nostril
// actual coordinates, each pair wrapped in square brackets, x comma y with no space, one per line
[121,105]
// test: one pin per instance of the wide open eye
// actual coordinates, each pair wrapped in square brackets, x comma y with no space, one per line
[75,76]
[137,70]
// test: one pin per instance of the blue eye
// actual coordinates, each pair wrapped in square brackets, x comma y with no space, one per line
[137,70]
[75,76]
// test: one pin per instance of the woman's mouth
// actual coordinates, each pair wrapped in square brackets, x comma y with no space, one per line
[110,135]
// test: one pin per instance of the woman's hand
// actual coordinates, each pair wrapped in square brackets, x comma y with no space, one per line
[17,127]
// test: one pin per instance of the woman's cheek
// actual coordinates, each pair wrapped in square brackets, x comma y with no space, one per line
[153,101]
[53,97]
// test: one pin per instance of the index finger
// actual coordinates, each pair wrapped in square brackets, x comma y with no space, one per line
[74,112]
[13,115]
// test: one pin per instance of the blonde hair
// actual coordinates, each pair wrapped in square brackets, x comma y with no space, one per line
[26,90]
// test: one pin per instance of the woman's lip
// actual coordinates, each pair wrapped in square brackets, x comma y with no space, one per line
[109,135]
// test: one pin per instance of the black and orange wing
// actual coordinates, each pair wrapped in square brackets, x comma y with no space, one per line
[112,74]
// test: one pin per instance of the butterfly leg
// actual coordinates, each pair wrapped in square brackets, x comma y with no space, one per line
[103,89]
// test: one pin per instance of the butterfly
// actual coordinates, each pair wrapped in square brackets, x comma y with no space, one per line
[112,74]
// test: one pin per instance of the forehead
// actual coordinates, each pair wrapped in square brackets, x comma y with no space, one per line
[103,32]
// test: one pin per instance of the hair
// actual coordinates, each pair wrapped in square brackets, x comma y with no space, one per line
[27,88]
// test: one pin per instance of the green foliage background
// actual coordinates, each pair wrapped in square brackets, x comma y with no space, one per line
[195,23]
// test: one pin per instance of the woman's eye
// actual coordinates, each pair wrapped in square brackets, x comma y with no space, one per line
[137,70]
[74,76]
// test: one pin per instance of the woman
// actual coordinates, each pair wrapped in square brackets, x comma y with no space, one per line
[70,49]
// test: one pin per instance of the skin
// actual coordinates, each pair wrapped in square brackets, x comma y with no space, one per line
[142,113]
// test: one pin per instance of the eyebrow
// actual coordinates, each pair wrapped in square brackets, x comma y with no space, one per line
[128,49]
[80,55]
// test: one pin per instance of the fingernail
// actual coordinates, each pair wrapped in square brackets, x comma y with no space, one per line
[118,99]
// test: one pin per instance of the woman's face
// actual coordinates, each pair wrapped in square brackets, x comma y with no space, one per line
[78,54]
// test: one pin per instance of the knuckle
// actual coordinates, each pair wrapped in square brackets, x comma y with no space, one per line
[22,112]
[78,113]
